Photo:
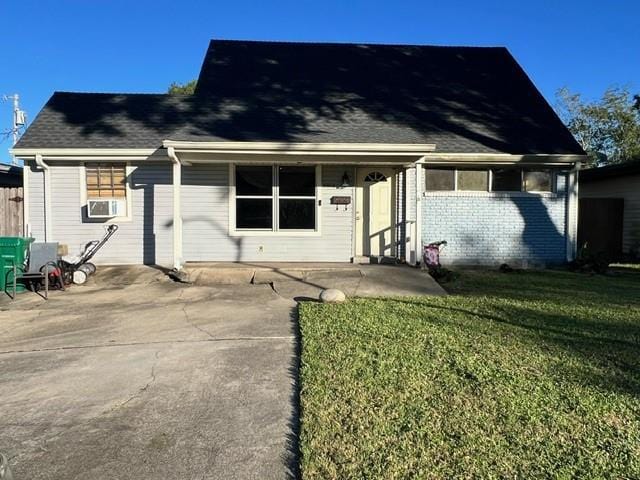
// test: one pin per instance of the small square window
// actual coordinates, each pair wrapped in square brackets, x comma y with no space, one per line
[538,181]
[439,179]
[106,180]
[473,180]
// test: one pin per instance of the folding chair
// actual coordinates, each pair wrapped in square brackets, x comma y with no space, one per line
[43,259]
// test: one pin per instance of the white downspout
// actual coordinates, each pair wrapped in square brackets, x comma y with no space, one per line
[418,222]
[47,198]
[177,211]
[26,229]
[572,212]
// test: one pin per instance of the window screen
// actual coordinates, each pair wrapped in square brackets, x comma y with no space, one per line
[106,180]
[506,180]
[473,180]
[439,179]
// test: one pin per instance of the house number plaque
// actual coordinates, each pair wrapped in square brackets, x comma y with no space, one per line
[340,200]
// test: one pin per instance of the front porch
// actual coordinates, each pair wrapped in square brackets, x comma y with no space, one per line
[299,280]
[267,202]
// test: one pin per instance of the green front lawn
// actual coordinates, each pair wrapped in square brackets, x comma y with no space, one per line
[521,375]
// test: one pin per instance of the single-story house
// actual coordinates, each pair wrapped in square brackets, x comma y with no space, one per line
[610,209]
[311,152]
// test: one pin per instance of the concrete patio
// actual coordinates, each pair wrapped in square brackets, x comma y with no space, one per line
[299,280]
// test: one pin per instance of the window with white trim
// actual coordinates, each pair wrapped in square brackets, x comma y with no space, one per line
[499,179]
[106,180]
[275,198]
[105,190]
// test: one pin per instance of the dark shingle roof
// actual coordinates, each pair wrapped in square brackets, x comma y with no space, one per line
[104,120]
[463,99]
[611,171]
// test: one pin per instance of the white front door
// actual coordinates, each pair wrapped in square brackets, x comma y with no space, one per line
[375,213]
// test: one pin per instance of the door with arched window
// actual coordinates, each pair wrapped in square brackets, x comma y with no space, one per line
[375,212]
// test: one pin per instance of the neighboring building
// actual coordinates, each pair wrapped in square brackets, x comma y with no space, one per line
[10,176]
[610,209]
[312,152]
[11,197]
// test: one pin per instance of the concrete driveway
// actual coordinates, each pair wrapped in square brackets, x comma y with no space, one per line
[134,376]
[152,380]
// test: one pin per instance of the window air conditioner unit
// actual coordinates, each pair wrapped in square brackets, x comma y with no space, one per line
[105,208]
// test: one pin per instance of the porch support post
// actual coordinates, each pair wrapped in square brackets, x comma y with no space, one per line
[572,213]
[418,222]
[177,211]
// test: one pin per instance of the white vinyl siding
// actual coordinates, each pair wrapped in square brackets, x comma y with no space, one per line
[627,188]
[145,238]
[205,206]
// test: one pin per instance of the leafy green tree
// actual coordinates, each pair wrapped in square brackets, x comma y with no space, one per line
[182,88]
[608,128]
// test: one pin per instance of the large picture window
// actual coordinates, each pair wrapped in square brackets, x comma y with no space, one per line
[281,198]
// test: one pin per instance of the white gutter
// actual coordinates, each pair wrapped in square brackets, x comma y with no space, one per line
[26,228]
[297,148]
[47,197]
[501,158]
[87,152]
[177,213]
[572,212]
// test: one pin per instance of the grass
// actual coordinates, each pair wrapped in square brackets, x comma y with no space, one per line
[520,375]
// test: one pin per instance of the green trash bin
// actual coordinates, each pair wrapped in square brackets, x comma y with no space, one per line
[13,251]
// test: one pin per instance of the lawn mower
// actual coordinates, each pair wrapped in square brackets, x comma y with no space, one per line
[78,271]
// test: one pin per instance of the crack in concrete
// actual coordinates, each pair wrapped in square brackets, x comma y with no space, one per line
[158,342]
[142,389]
[197,327]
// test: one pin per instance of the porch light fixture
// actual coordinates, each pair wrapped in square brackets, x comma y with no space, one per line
[346,181]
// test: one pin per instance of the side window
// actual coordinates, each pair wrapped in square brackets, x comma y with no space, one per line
[538,181]
[106,180]
[440,179]
[473,180]
[106,190]
[506,180]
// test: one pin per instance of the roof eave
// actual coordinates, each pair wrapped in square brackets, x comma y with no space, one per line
[300,148]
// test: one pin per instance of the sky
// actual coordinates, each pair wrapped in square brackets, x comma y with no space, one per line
[144,45]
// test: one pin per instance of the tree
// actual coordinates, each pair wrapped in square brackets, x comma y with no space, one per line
[182,88]
[608,129]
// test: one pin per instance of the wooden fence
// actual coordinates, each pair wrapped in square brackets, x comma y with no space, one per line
[11,202]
